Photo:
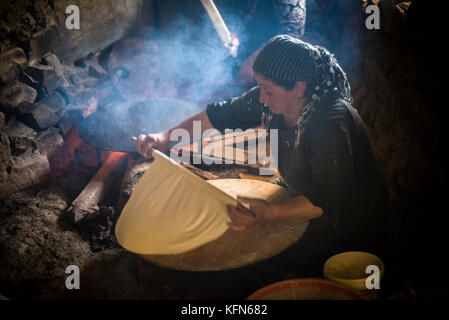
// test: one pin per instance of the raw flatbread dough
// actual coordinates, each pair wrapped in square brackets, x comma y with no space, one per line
[172,211]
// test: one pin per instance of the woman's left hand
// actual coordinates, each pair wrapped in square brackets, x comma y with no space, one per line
[233,46]
[241,221]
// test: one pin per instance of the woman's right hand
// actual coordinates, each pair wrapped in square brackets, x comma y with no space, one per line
[146,143]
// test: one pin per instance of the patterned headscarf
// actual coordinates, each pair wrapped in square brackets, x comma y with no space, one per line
[289,59]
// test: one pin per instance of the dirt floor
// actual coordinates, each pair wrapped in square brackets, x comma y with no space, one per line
[37,245]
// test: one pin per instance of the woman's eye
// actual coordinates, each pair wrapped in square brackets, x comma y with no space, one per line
[268,93]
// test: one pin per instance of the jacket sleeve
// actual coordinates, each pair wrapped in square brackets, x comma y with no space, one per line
[332,168]
[243,112]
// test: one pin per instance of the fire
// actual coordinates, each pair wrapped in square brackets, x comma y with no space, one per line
[75,154]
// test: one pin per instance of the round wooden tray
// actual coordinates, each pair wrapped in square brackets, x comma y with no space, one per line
[235,249]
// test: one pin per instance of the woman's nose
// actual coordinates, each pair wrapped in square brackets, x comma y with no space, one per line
[263,97]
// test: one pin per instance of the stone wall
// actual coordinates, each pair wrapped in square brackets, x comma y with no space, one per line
[397,88]
[393,93]
[48,74]
[40,26]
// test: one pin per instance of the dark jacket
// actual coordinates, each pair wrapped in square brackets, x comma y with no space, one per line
[334,166]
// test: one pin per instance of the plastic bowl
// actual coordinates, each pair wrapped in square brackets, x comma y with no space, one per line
[349,268]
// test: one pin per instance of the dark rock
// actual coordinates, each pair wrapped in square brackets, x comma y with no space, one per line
[2,120]
[94,67]
[26,171]
[22,138]
[58,69]
[5,158]
[49,140]
[94,33]
[29,171]
[368,109]
[384,118]
[51,81]
[33,76]
[375,80]
[72,116]
[71,80]
[35,73]
[11,63]
[40,44]
[44,76]
[16,95]
[400,157]
[45,113]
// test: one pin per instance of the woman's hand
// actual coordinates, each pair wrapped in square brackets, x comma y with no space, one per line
[241,221]
[299,208]
[233,46]
[146,143]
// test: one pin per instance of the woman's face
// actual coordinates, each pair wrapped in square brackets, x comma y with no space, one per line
[275,97]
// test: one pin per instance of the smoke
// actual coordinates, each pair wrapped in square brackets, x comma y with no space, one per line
[187,62]
[164,78]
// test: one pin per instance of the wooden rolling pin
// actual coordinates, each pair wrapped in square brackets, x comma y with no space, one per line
[217,21]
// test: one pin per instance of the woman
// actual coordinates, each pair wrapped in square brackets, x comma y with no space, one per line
[325,157]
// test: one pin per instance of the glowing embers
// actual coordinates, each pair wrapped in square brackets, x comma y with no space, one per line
[74,154]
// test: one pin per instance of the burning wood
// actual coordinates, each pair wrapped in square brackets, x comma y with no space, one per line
[88,200]
[135,169]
